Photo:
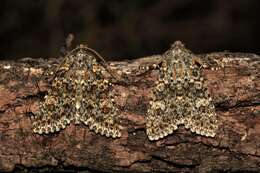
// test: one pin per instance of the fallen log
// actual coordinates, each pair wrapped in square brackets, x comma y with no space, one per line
[235,89]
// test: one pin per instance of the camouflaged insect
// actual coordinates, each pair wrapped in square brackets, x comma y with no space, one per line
[180,96]
[79,93]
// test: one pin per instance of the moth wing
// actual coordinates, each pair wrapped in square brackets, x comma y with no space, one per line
[158,124]
[53,115]
[203,118]
[94,99]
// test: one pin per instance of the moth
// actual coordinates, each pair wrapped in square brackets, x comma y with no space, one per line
[81,93]
[180,96]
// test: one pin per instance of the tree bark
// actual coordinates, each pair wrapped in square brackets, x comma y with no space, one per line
[235,89]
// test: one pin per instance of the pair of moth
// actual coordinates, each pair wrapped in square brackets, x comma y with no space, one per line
[81,93]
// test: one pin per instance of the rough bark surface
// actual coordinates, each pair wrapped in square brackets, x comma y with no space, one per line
[235,89]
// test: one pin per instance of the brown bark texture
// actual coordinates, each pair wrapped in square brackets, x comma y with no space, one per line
[235,89]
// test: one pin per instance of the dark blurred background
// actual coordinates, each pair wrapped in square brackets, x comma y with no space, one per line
[127,29]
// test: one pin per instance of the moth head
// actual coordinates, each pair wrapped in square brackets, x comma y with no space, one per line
[177,51]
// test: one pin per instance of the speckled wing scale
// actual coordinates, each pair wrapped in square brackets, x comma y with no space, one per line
[180,96]
[79,93]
